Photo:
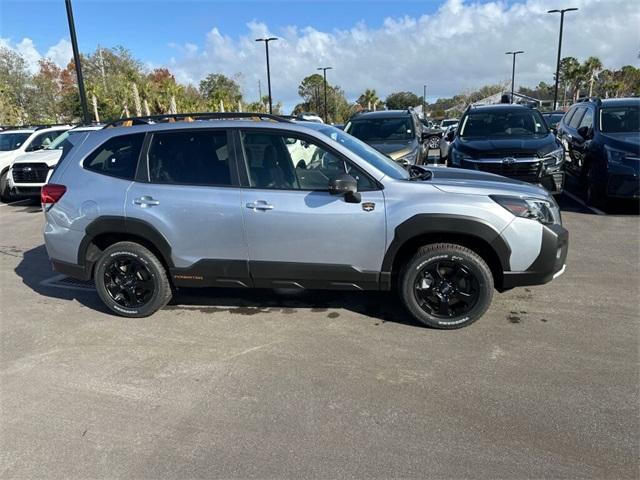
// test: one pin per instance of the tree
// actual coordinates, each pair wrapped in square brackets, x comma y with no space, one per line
[369,100]
[14,85]
[311,89]
[217,87]
[402,100]
[591,66]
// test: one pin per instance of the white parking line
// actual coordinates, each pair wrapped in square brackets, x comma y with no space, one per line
[595,210]
[17,202]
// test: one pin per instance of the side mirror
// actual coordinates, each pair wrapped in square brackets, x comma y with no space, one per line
[450,136]
[346,185]
[584,132]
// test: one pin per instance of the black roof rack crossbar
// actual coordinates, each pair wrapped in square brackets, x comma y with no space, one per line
[189,117]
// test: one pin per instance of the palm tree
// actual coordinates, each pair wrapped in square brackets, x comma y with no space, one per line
[369,99]
[591,67]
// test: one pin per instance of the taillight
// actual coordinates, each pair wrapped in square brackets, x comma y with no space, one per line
[51,193]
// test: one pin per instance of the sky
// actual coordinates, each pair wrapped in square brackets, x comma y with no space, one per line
[452,46]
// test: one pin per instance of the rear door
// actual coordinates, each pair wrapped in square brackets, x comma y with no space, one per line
[299,235]
[187,189]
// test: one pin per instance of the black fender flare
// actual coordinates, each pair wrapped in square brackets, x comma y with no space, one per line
[128,226]
[439,223]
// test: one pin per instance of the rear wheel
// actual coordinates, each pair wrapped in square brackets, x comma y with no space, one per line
[131,281]
[446,286]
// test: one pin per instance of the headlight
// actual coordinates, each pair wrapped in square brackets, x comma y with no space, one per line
[620,156]
[554,158]
[544,211]
[409,158]
[457,158]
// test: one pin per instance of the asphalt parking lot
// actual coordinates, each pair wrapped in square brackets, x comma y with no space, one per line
[237,384]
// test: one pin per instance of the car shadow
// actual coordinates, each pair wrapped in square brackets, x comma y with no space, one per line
[35,271]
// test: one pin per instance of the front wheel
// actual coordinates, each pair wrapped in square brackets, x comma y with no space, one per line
[5,192]
[446,286]
[131,281]
[596,192]
[433,142]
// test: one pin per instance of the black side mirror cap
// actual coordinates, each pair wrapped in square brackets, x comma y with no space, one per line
[584,132]
[346,185]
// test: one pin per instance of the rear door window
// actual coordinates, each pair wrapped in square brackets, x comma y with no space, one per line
[198,157]
[117,157]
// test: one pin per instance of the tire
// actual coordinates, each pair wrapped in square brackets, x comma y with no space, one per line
[131,281]
[463,278]
[595,188]
[433,142]
[5,193]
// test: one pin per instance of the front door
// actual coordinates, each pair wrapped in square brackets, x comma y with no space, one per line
[299,235]
[190,194]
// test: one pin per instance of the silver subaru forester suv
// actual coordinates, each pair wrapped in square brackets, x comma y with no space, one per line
[149,205]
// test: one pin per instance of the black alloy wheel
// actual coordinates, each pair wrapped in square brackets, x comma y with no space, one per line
[131,280]
[446,286]
[128,282]
[446,289]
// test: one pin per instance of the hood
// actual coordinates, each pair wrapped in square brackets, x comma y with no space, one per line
[629,141]
[50,157]
[6,158]
[394,149]
[473,182]
[534,145]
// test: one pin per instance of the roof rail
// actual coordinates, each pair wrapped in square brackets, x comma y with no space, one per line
[589,99]
[35,126]
[191,117]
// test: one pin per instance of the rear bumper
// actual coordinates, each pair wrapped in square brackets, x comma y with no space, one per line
[26,191]
[71,270]
[549,264]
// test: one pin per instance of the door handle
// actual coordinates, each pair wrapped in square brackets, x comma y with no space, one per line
[146,201]
[259,205]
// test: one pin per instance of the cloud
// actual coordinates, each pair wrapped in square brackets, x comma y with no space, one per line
[459,47]
[60,53]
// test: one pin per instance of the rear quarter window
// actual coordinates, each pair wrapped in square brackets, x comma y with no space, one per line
[117,157]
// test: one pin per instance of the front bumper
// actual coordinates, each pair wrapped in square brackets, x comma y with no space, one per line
[623,186]
[530,170]
[549,264]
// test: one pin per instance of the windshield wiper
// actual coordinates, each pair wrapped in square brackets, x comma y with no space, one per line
[419,173]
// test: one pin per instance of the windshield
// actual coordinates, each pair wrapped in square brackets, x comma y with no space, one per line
[67,139]
[620,119]
[12,141]
[381,129]
[364,151]
[503,123]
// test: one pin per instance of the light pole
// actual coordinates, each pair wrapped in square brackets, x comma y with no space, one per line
[424,102]
[324,73]
[513,70]
[76,59]
[266,46]
[555,90]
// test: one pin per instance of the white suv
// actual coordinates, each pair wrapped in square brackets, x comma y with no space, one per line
[29,172]
[18,141]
